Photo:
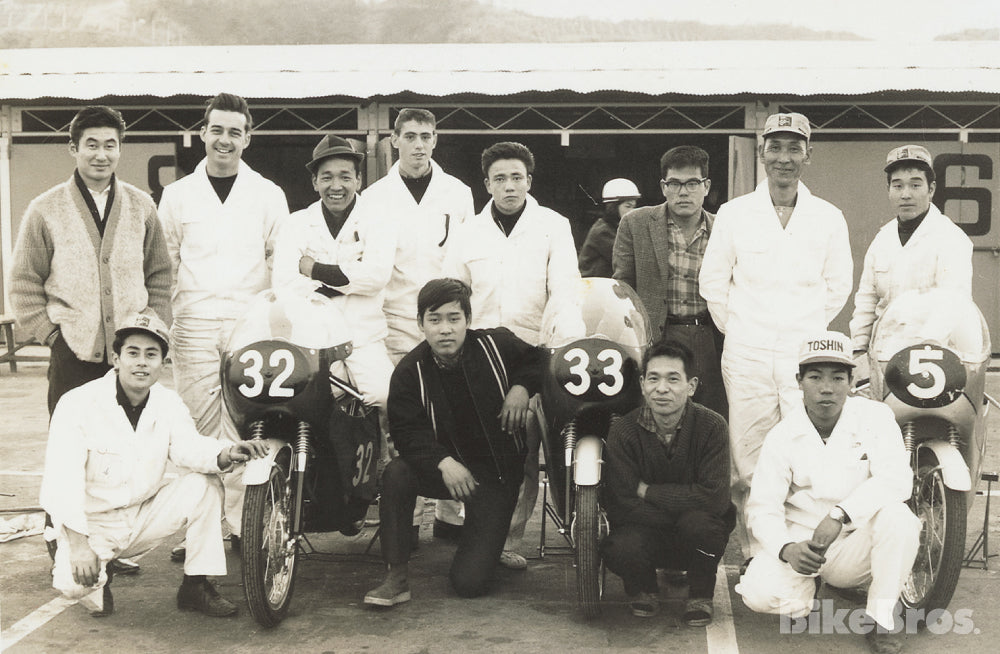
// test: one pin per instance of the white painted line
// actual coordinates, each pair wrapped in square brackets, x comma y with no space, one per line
[721,633]
[33,621]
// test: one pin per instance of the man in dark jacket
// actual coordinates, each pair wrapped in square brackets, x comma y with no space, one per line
[458,406]
[667,493]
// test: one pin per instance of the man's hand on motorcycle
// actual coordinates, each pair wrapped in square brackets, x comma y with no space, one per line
[514,414]
[457,479]
[243,451]
[802,556]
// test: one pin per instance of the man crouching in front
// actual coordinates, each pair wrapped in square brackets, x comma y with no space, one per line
[104,483]
[458,405]
[828,500]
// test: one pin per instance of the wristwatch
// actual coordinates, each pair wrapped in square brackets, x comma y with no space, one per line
[839,515]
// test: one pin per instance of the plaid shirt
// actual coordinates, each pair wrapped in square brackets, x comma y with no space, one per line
[683,298]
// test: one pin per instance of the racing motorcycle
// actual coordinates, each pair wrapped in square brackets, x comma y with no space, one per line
[928,356]
[588,383]
[283,381]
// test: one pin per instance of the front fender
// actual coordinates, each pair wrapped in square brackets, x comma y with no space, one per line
[587,461]
[954,471]
[257,471]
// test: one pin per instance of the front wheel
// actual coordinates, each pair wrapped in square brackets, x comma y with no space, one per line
[589,526]
[942,516]
[267,547]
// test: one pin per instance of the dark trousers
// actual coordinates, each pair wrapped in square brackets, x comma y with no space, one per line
[705,342]
[487,518]
[66,372]
[694,542]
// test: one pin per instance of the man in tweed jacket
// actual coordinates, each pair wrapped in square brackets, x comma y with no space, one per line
[89,252]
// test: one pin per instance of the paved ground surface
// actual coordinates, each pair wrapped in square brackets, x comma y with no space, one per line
[532,611]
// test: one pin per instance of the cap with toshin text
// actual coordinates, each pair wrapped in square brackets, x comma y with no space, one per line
[826,347]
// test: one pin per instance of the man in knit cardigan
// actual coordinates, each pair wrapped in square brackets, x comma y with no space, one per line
[89,252]
[667,488]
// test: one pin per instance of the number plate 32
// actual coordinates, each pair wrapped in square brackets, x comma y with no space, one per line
[926,376]
[269,372]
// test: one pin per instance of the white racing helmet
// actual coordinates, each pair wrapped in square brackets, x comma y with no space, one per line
[620,189]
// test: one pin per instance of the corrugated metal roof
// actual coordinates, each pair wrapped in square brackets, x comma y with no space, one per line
[363,71]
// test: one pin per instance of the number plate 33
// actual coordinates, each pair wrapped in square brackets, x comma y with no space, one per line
[269,372]
[926,376]
[593,372]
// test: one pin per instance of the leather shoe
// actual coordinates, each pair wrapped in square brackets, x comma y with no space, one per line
[644,605]
[178,554]
[203,598]
[881,642]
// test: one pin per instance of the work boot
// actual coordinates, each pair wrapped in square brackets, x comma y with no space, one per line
[198,594]
[394,590]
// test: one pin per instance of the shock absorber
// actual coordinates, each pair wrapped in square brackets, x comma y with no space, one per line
[302,446]
[908,436]
[569,444]
[954,437]
[257,429]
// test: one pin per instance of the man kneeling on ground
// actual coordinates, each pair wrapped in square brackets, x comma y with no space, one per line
[104,483]
[827,500]
[667,492]
[458,406]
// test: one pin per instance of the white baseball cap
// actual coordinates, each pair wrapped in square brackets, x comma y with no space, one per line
[793,123]
[146,323]
[908,153]
[826,347]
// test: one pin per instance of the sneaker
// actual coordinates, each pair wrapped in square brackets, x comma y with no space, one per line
[513,560]
[203,598]
[644,605]
[882,642]
[388,594]
[446,530]
[698,612]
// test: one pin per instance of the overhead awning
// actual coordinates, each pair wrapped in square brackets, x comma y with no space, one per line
[365,71]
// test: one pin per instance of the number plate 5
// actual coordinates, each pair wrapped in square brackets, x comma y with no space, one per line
[926,376]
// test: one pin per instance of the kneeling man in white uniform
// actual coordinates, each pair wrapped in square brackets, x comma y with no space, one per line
[104,483]
[828,497]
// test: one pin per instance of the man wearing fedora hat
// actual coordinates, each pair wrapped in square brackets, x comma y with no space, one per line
[921,249]
[104,485]
[777,266]
[828,500]
[341,248]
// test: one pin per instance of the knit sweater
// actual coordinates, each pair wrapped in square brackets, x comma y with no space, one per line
[691,474]
[65,275]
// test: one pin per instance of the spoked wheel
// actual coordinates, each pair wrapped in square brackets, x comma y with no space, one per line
[267,547]
[942,515]
[589,528]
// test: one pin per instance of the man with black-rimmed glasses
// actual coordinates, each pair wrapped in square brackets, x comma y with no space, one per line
[658,252]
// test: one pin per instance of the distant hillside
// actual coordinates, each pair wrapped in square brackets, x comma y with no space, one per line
[51,23]
[972,35]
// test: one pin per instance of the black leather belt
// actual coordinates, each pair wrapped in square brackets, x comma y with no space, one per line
[697,319]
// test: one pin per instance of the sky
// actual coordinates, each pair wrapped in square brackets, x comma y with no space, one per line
[884,20]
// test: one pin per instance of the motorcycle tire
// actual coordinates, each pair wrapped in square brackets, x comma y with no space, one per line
[587,532]
[268,553]
[942,513]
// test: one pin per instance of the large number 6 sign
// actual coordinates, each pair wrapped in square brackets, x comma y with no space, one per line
[580,380]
